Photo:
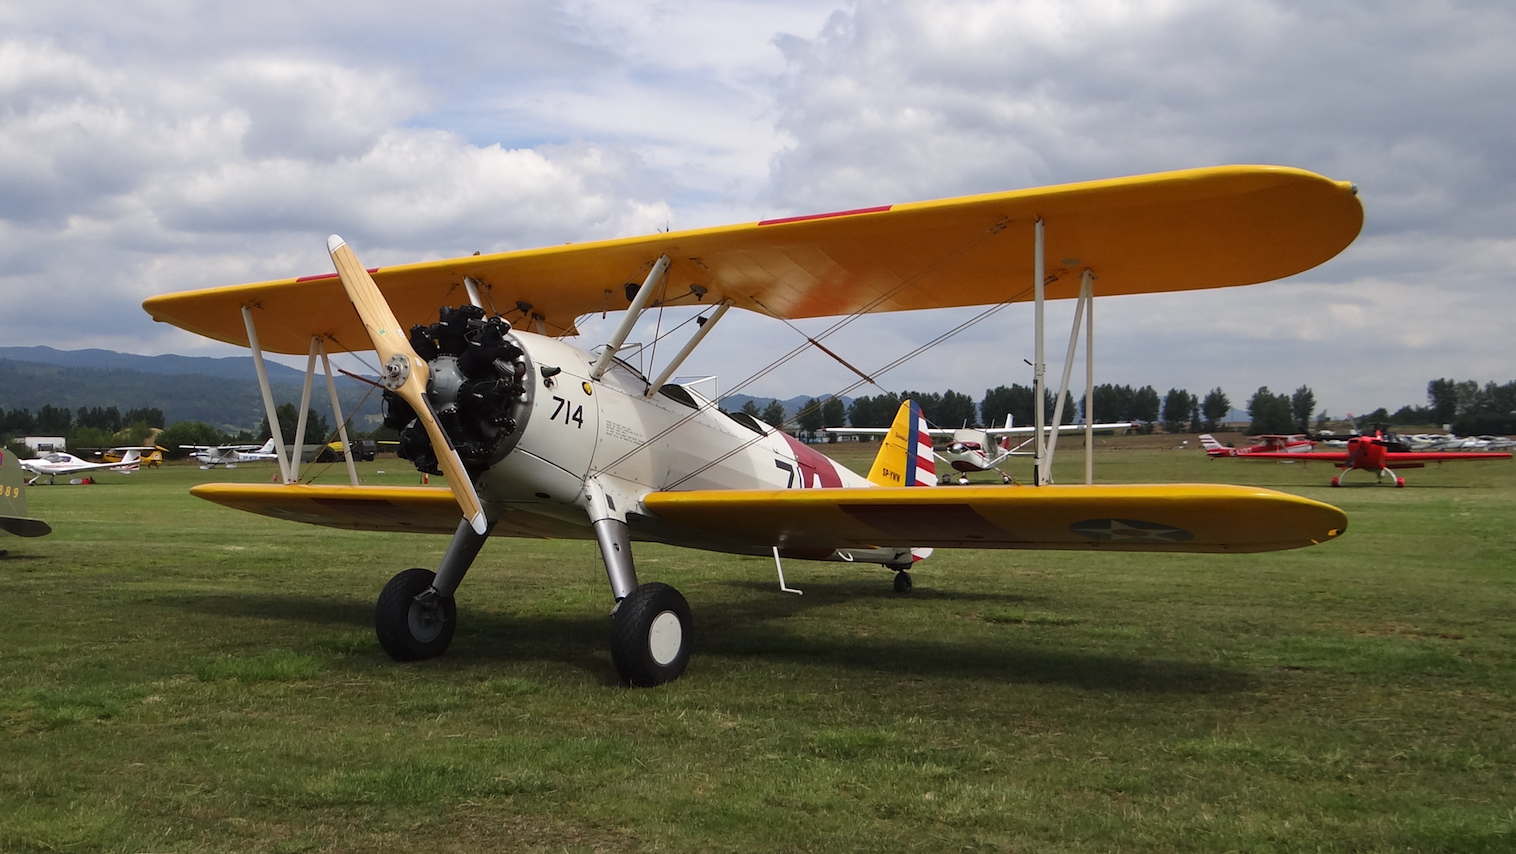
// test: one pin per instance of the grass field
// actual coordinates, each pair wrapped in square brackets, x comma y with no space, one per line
[179,677]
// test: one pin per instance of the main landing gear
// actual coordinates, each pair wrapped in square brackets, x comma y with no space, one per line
[652,632]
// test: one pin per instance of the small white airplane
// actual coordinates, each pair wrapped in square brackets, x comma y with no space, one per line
[58,462]
[972,449]
[539,437]
[229,456]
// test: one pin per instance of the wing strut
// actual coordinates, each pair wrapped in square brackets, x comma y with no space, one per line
[268,395]
[689,347]
[639,302]
[1046,437]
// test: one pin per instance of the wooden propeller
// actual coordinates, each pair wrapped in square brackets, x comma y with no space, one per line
[404,372]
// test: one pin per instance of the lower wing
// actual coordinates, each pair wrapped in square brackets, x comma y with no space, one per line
[1173,517]
[1177,517]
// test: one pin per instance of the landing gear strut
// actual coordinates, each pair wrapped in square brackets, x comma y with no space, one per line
[652,633]
[416,615]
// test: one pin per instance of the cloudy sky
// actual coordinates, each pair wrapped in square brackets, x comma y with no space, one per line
[148,147]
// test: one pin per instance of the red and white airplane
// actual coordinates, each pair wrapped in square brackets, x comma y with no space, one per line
[1266,443]
[1369,453]
[971,449]
[58,462]
[539,437]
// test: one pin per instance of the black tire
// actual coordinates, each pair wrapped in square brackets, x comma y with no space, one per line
[651,636]
[410,630]
[902,582]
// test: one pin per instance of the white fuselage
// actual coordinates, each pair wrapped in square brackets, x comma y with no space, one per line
[633,444]
[54,464]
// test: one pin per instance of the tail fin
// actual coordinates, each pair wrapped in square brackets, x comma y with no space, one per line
[268,447]
[905,459]
[1213,447]
[13,501]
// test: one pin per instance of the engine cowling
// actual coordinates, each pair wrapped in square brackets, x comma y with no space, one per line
[477,387]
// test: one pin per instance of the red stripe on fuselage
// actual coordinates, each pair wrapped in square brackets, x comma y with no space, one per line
[815,468]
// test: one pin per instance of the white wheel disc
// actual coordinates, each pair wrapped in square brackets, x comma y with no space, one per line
[665,637]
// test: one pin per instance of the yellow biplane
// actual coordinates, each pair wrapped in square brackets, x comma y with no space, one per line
[541,438]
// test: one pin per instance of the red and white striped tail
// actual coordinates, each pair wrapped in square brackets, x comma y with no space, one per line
[906,456]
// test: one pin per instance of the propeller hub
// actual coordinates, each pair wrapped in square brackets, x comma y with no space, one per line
[396,371]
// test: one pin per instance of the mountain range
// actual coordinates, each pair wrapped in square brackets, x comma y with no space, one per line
[222,391]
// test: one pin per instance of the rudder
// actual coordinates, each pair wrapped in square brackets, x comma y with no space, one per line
[905,456]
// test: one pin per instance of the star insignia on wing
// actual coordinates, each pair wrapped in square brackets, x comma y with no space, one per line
[1130,531]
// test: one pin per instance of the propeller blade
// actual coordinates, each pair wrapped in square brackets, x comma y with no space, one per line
[405,373]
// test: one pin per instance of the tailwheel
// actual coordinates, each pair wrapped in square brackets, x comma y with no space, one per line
[1005,478]
[1400,483]
[651,636]
[1336,482]
[902,581]
[412,620]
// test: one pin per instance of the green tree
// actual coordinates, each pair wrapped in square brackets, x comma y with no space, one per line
[751,408]
[957,410]
[773,414]
[1215,407]
[316,428]
[54,421]
[809,417]
[1145,407]
[1271,413]
[189,433]
[833,414]
[877,411]
[1176,409]
[1302,406]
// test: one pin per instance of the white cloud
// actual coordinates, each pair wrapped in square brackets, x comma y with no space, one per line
[154,146]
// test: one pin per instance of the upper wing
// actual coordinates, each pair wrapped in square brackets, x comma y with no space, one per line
[1178,517]
[1172,231]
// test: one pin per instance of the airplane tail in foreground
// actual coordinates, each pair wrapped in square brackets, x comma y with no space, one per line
[905,459]
[1214,448]
[13,501]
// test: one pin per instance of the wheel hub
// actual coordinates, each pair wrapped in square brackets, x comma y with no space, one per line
[665,637]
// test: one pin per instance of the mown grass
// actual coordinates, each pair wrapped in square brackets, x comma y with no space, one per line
[179,677]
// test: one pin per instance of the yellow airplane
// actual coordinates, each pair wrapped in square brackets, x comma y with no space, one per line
[540,438]
[148,456]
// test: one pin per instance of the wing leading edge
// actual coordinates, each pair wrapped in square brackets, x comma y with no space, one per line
[1172,231]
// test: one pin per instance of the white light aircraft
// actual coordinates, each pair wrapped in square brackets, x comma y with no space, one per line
[971,449]
[229,456]
[538,437]
[58,462]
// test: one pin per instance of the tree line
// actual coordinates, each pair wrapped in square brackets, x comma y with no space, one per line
[1466,406]
[97,427]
